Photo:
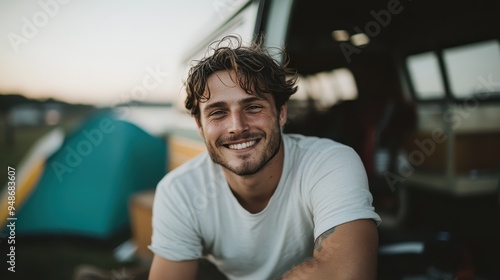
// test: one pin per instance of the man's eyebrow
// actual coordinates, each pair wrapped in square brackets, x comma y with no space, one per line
[218,104]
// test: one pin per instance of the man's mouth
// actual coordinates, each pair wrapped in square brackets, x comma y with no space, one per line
[243,145]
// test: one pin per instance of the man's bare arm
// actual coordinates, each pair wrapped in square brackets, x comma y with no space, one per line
[163,269]
[348,251]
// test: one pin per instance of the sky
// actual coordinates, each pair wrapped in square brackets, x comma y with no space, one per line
[100,52]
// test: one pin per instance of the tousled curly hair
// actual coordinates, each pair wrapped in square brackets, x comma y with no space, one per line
[257,72]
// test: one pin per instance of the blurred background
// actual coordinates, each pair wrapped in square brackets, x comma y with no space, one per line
[91,118]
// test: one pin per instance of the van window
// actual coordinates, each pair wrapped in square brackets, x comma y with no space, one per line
[425,75]
[327,88]
[469,67]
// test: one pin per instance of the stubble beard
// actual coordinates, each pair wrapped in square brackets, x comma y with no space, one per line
[247,167]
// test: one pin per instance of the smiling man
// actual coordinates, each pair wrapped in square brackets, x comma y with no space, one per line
[260,204]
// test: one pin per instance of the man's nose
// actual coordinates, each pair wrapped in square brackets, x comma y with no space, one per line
[238,123]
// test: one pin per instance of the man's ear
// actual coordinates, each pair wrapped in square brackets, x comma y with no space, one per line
[283,115]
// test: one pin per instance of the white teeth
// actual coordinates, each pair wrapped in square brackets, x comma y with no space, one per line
[242,145]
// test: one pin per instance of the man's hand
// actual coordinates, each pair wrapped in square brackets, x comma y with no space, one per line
[348,251]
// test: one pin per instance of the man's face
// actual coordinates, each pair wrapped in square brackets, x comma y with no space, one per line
[241,131]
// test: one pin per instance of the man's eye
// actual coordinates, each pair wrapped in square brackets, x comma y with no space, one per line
[216,113]
[254,108]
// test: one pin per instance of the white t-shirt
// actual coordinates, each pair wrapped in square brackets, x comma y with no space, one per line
[195,214]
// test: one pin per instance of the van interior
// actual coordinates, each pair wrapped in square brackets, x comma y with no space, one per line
[414,88]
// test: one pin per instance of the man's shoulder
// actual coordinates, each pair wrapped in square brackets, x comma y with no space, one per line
[313,144]
[192,170]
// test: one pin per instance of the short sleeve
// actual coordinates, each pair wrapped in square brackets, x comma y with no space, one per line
[339,189]
[174,226]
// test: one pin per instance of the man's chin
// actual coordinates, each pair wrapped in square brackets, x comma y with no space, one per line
[241,169]
[244,172]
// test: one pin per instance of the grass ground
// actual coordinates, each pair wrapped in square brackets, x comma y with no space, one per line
[58,257]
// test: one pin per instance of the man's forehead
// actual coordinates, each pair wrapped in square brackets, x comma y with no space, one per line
[224,85]
[228,78]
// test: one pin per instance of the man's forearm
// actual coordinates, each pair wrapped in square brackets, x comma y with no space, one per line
[349,253]
[312,268]
[315,267]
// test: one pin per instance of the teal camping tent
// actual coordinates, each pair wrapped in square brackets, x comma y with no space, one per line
[86,185]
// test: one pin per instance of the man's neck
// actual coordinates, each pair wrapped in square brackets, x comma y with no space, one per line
[253,192]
